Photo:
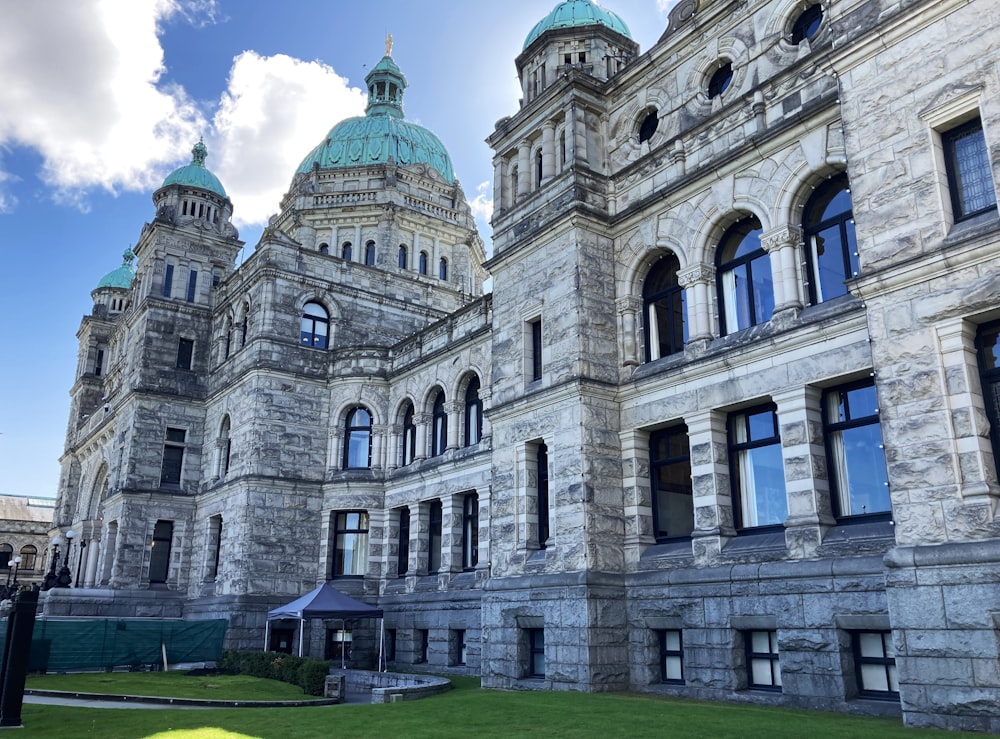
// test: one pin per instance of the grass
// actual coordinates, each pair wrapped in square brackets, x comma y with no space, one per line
[468,711]
[172,685]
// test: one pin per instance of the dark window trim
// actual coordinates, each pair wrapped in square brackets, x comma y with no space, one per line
[734,473]
[403,550]
[989,377]
[542,493]
[655,465]
[341,527]
[948,139]
[470,531]
[536,349]
[435,523]
[666,653]
[772,656]
[884,662]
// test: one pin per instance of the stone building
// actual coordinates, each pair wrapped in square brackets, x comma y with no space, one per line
[726,426]
[24,542]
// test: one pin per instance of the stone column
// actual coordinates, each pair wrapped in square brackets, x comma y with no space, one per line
[803,455]
[713,500]
[571,135]
[93,555]
[637,494]
[378,544]
[628,307]
[451,534]
[454,410]
[498,197]
[580,135]
[422,421]
[548,151]
[378,447]
[334,446]
[697,281]
[523,168]
[392,447]
[780,243]
[486,395]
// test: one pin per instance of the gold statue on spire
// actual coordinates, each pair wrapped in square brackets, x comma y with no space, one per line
[388,44]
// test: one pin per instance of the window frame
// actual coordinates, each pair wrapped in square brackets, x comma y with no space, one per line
[956,189]
[470,531]
[350,545]
[435,527]
[473,421]
[422,263]
[360,432]
[807,24]
[812,229]
[185,354]
[403,542]
[409,440]
[443,268]
[536,653]
[728,295]
[535,358]
[401,256]
[671,300]
[159,558]
[669,656]
[886,662]
[739,482]
[174,445]
[542,494]
[192,286]
[370,254]
[772,658]
[318,324]
[683,461]
[29,556]
[439,425]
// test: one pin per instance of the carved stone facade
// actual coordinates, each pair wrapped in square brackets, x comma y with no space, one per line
[725,427]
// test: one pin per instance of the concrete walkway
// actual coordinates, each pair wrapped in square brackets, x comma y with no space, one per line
[97,700]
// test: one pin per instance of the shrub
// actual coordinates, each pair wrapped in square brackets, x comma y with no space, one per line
[309,674]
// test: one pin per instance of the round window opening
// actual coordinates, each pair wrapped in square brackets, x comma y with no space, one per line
[721,80]
[807,24]
[648,127]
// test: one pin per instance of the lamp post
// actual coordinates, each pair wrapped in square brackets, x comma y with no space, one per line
[79,560]
[65,577]
[9,590]
[50,576]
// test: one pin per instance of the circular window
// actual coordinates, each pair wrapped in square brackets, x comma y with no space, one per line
[648,127]
[807,24]
[721,80]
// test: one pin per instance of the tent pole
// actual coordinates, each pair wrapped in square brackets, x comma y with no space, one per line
[343,635]
[302,628]
[267,629]
[381,646]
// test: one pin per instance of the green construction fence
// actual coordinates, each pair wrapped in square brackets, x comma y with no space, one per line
[59,645]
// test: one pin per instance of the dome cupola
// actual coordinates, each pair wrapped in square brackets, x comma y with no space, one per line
[576,13]
[122,277]
[196,174]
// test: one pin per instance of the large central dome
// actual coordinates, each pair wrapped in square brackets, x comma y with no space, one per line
[572,13]
[381,135]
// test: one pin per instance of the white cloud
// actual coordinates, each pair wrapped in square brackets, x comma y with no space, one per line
[482,204]
[275,110]
[81,86]
[666,6]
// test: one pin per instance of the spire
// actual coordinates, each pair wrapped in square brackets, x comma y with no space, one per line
[385,86]
[199,152]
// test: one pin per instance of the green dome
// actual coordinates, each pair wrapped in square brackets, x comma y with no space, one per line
[381,134]
[573,13]
[121,277]
[196,174]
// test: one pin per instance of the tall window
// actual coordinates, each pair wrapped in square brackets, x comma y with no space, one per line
[422,263]
[536,652]
[443,269]
[173,457]
[854,449]
[538,168]
[746,292]
[401,257]
[423,645]
[28,555]
[370,254]
[185,353]
[434,537]
[99,363]
[473,413]
[831,246]
[875,664]
[315,326]
[159,556]
[535,348]
[192,285]
[346,251]
[225,446]
[671,656]
[513,184]
[403,551]
[350,544]
[168,280]
[214,547]
[6,552]
[967,162]
[324,248]
[756,468]
[988,348]
[358,440]
[763,667]
[670,469]
[542,493]
[664,309]
[439,436]
[470,531]
[409,435]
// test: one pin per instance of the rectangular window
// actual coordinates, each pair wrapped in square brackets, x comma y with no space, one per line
[159,556]
[350,544]
[670,470]
[988,350]
[390,645]
[875,664]
[214,546]
[423,645]
[470,531]
[542,494]
[192,285]
[457,647]
[168,280]
[855,454]
[99,363]
[536,652]
[756,468]
[434,538]
[967,162]
[671,657]
[185,353]
[535,328]
[173,457]
[763,668]
[403,553]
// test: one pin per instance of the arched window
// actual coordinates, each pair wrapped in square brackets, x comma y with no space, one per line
[721,79]
[401,256]
[665,310]
[346,251]
[358,440]
[538,168]
[473,413]
[228,340]
[244,325]
[225,446]
[743,268]
[562,148]
[443,269]
[315,328]
[6,551]
[370,254]
[409,435]
[831,246]
[28,555]
[422,264]
[324,248]
[439,436]
[807,24]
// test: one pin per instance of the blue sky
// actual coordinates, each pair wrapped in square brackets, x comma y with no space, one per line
[101,99]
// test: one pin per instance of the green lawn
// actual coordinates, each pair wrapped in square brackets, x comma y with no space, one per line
[466,711]
[172,685]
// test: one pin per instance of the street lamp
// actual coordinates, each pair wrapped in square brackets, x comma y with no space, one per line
[50,576]
[10,590]
[65,577]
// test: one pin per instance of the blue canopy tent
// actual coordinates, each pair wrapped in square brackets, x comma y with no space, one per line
[325,602]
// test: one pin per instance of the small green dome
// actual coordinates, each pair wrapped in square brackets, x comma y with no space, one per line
[196,174]
[573,13]
[381,134]
[121,277]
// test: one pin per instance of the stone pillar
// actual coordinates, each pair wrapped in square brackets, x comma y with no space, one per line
[697,281]
[780,244]
[523,168]
[93,555]
[334,446]
[580,136]
[713,500]
[638,499]
[571,135]
[454,410]
[422,421]
[378,543]
[548,151]
[498,194]
[451,533]
[485,395]
[803,455]
[628,307]
[392,447]
[378,447]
